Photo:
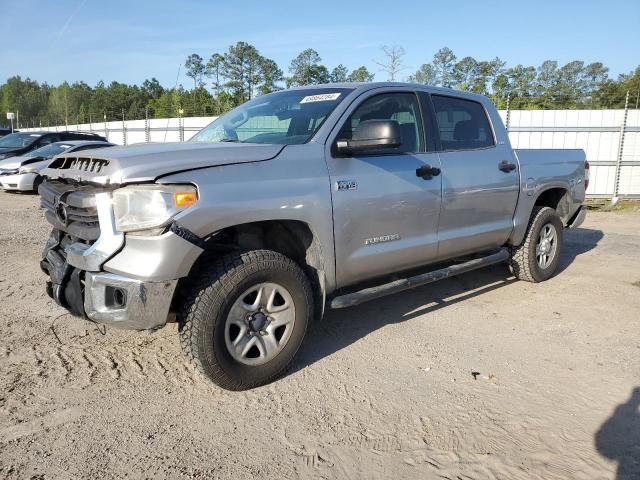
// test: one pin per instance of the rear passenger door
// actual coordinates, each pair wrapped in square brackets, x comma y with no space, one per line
[478,198]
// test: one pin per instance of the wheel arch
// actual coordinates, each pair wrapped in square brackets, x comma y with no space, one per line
[293,238]
[557,198]
[554,195]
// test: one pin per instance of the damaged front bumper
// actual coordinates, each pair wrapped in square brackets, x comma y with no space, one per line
[126,302]
[130,297]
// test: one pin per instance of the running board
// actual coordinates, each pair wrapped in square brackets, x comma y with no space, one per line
[356,298]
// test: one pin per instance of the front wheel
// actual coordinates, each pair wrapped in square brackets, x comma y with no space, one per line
[536,259]
[245,317]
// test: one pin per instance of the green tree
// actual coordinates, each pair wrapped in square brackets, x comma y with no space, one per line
[195,69]
[271,76]
[241,69]
[306,69]
[465,73]
[425,75]
[521,85]
[339,74]
[360,74]
[443,63]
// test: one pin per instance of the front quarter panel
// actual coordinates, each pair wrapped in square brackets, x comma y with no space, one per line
[292,186]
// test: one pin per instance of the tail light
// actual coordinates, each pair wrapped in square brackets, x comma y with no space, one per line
[586,174]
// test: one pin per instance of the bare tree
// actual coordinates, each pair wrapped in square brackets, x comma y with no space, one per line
[393,62]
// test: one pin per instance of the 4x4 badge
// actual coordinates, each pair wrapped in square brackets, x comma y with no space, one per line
[347,185]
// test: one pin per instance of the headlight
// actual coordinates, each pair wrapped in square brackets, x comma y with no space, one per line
[28,170]
[141,207]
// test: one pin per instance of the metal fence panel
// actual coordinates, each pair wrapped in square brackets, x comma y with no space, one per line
[597,132]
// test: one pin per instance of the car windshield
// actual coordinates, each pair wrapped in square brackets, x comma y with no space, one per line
[18,140]
[284,118]
[49,151]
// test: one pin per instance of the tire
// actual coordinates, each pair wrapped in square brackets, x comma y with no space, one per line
[36,183]
[524,261]
[213,317]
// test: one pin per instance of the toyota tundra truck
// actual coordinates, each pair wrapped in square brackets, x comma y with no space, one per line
[298,201]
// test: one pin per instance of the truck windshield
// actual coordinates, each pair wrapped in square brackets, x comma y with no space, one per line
[285,118]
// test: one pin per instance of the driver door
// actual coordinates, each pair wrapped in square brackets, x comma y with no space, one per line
[385,215]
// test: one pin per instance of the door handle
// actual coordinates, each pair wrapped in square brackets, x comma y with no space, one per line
[426,172]
[506,166]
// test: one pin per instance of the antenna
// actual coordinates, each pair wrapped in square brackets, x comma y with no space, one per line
[174,87]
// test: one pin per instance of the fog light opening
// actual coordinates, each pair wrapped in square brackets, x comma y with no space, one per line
[115,297]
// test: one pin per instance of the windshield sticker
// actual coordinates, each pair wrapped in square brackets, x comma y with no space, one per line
[66,146]
[325,97]
[35,135]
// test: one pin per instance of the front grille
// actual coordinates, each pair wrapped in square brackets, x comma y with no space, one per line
[6,171]
[92,165]
[71,209]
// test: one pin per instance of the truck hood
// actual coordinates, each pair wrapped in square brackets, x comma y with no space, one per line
[145,162]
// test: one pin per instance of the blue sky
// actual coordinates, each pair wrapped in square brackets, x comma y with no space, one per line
[129,41]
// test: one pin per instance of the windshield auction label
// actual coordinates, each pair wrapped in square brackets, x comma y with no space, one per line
[325,97]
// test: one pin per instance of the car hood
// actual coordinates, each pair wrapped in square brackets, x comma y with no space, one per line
[146,162]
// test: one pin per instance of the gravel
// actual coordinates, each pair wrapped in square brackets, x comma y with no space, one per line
[479,376]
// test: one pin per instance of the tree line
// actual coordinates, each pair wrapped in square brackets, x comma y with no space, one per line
[227,79]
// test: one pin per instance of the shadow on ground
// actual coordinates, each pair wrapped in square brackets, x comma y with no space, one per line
[340,328]
[619,438]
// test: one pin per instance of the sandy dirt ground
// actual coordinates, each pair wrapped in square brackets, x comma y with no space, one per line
[380,391]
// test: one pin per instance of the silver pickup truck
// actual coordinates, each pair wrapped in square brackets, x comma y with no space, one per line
[300,200]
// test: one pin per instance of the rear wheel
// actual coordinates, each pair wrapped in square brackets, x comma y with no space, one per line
[536,259]
[245,317]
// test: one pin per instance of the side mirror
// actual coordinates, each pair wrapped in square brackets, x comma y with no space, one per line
[371,135]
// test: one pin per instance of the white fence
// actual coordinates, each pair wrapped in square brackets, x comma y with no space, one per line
[610,138]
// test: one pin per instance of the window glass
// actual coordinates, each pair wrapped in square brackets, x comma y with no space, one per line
[91,146]
[48,151]
[284,118]
[463,124]
[401,107]
[19,140]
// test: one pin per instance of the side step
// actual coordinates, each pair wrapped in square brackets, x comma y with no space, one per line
[371,293]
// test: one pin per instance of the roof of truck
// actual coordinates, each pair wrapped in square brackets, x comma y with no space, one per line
[373,85]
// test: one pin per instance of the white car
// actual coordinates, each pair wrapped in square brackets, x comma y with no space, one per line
[23,173]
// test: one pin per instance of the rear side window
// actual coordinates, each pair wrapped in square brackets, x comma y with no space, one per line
[463,124]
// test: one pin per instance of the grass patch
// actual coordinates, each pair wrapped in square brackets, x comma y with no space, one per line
[623,206]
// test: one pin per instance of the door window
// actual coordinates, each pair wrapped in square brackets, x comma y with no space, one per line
[463,124]
[401,107]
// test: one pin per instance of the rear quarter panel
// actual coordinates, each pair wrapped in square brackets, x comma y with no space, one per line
[542,170]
